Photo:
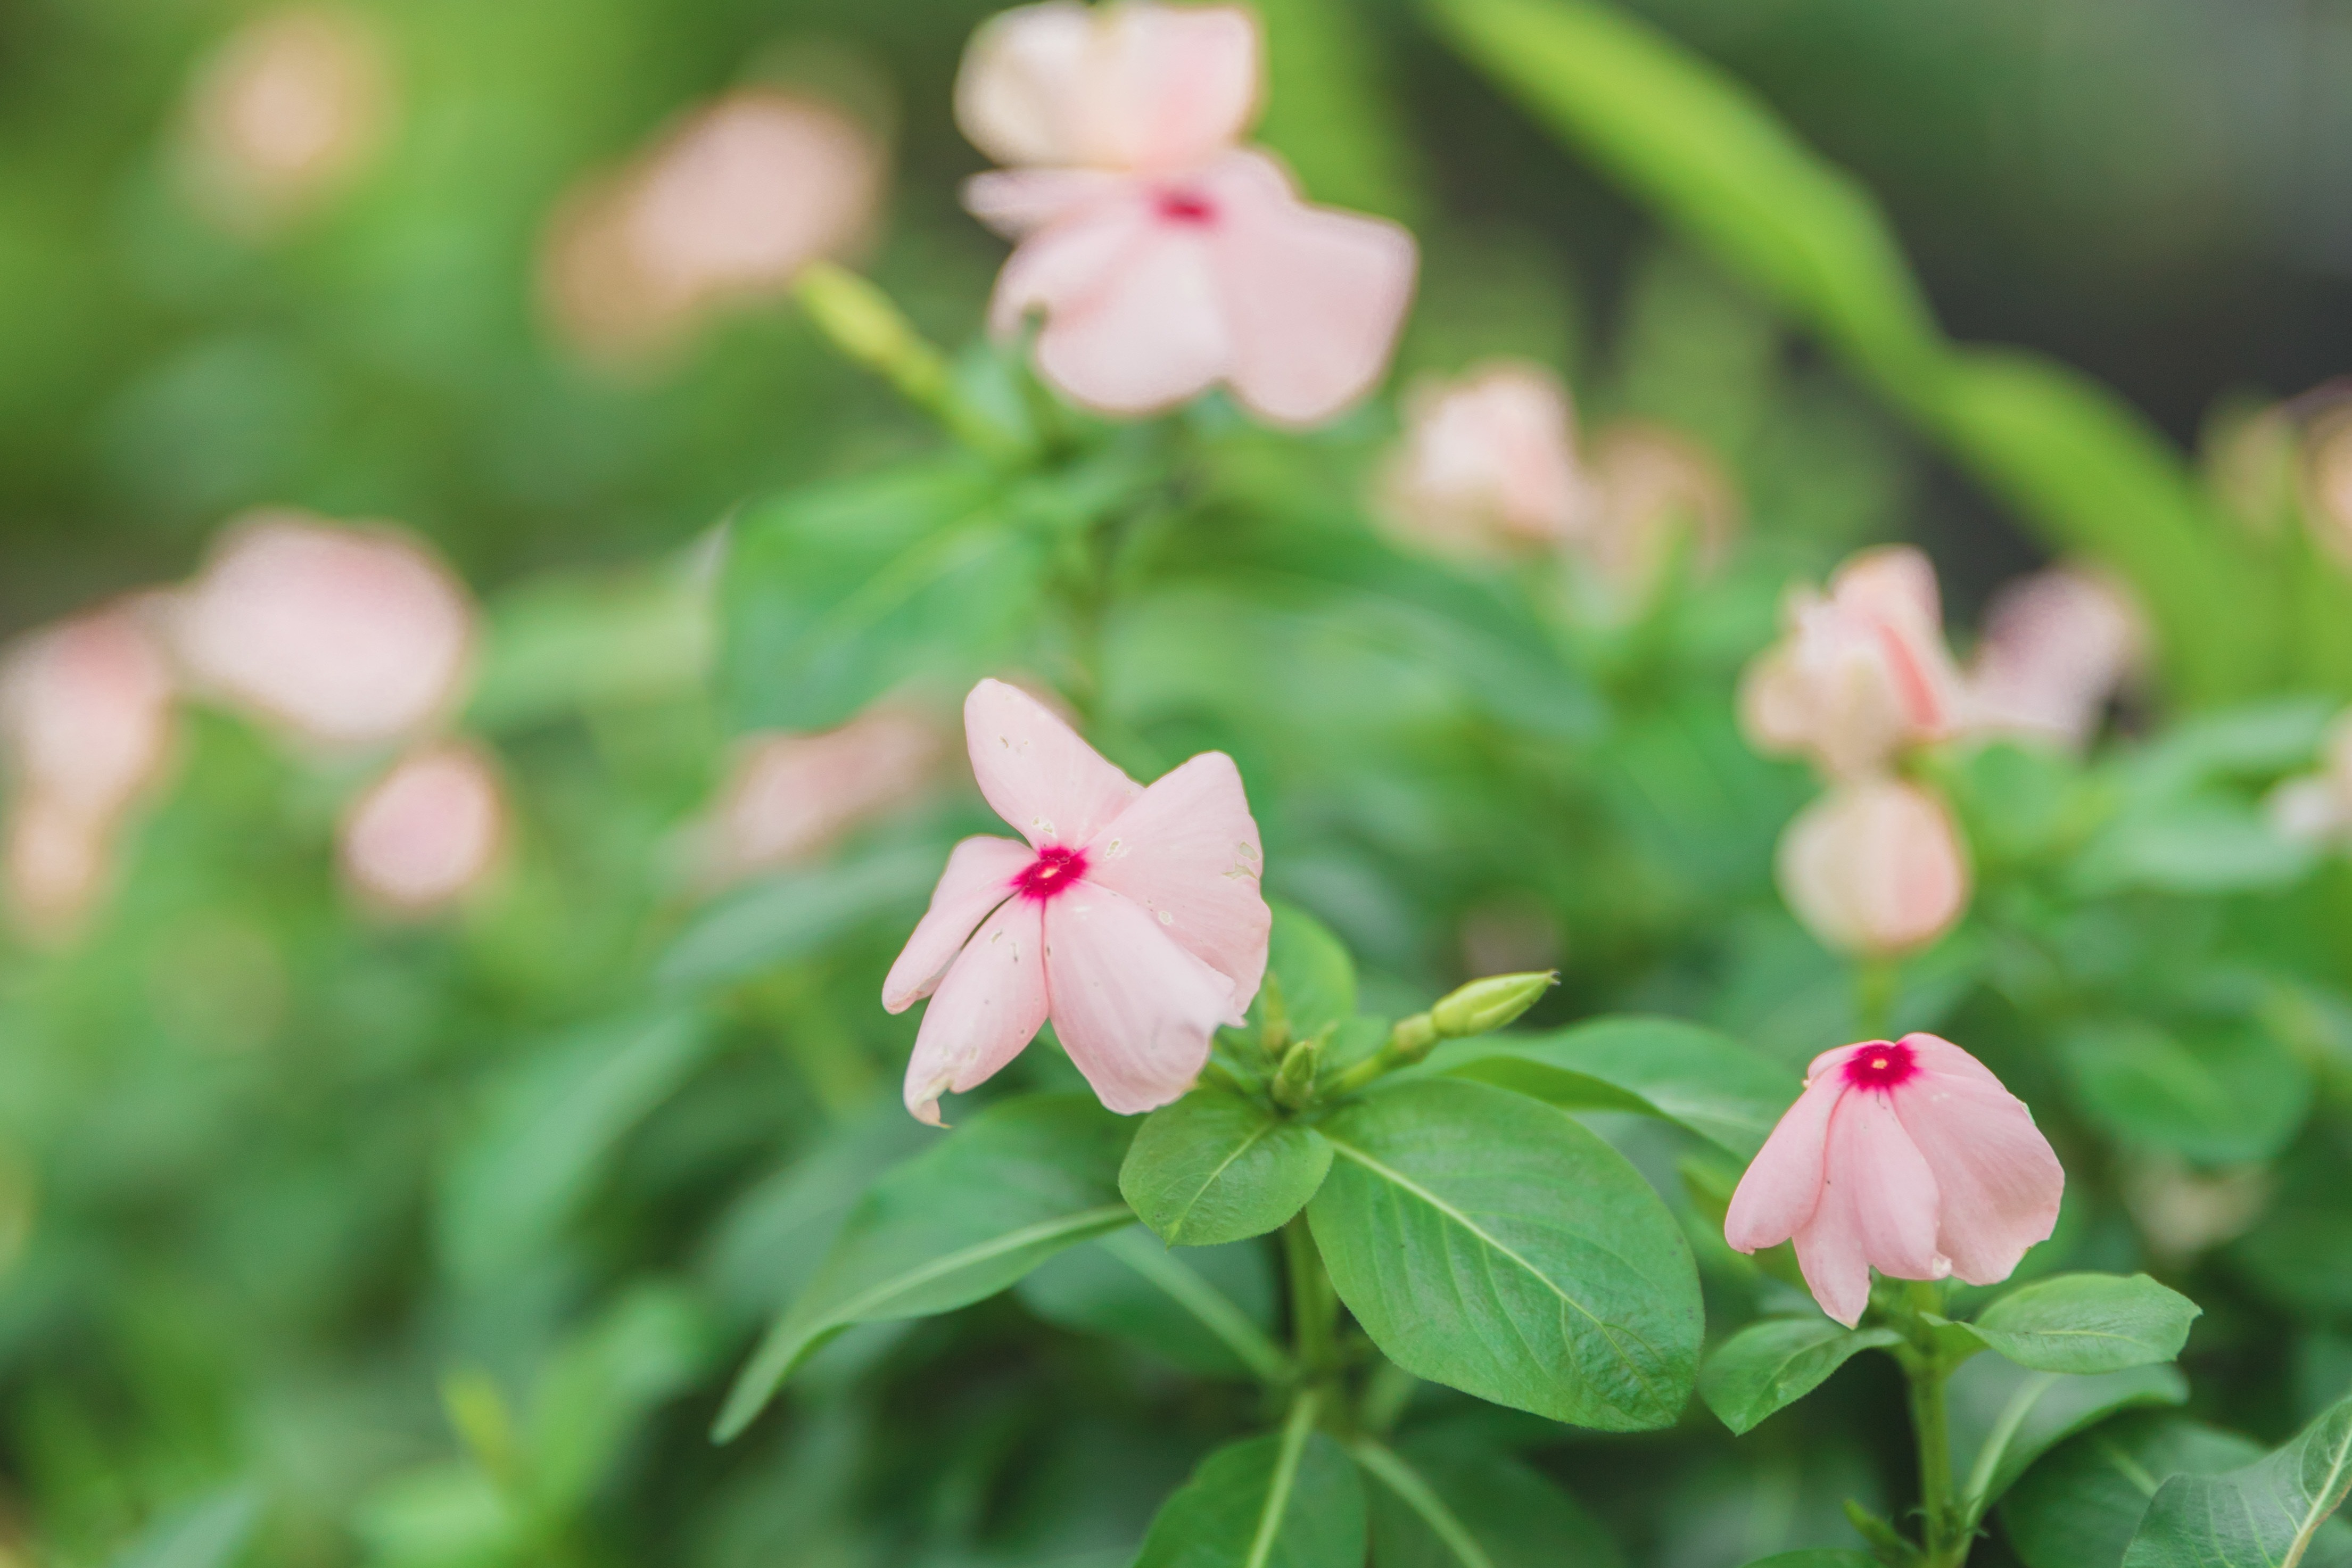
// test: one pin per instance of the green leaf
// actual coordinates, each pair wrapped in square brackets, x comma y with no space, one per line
[599,1385]
[1493,1244]
[1451,1502]
[780,919]
[1328,111]
[1311,971]
[835,595]
[2080,1505]
[957,1223]
[1816,1557]
[1289,1500]
[2087,1323]
[2274,1511]
[1706,1082]
[2007,1417]
[210,1532]
[560,646]
[1207,1310]
[2201,844]
[2217,1094]
[1214,1167]
[554,1121]
[1767,1365]
[2300,1253]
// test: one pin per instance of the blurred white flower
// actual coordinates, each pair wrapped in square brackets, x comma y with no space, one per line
[729,205]
[1488,467]
[428,833]
[346,635]
[1875,867]
[2057,646]
[789,796]
[290,108]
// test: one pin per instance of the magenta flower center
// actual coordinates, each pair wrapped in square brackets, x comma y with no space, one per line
[1884,1064]
[1049,875]
[1186,207]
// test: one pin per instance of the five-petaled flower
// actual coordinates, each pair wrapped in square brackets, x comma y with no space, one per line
[1906,1156]
[1165,256]
[1131,917]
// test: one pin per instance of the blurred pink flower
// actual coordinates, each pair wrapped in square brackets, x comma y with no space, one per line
[1489,466]
[789,796]
[1863,672]
[57,867]
[1906,1156]
[292,106]
[730,204]
[1657,495]
[1132,917]
[1875,867]
[347,634]
[428,833]
[1165,257]
[2057,646]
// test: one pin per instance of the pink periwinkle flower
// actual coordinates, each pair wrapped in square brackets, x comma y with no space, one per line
[1488,465]
[788,795]
[1875,867]
[1131,918]
[293,105]
[426,833]
[1906,1156]
[2057,646]
[1863,672]
[1165,256]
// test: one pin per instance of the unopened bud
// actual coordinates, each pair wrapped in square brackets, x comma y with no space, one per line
[865,324]
[1485,1006]
[1293,1081]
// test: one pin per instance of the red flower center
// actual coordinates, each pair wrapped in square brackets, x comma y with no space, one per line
[1882,1064]
[1049,875]
[1186,207]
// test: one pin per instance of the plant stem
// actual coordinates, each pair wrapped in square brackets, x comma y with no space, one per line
[1407,1042]
[1314,1306]
[868,326]
[1947,1539]
[1878,984]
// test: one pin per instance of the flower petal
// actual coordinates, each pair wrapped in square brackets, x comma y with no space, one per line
[1035,770]
[2000,1180]
[1783,1185]
[1133,1009]
[1016,202]
[987,1008]
[979,877]
[1877,1210]
[1313,297]
[1188,852]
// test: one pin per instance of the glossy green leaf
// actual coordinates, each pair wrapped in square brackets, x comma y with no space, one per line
[2275,1510]
[1440,1500]
[1767,1365]
[2079,1506]
[2217,1095]
[1214,1167]
[2087,1323]
[961,1221]
[1207,1310]
[2004,1417]
[1310,969]
[1706,1082]
[779,918]
[1289,1500]
[1493,1244]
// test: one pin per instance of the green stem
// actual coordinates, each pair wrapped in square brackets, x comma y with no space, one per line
[868,326]
[1877,983]
[1314,1306]
[1946,1536]
[1410,1040]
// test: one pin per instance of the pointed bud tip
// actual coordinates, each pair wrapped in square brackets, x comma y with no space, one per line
[1485,1006]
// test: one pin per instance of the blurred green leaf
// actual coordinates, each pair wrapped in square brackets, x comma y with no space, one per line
[449,1516]
[1290,1501]
[1311,970]
[647,1348]
[2079,1506]
[560,646]
[1683,1073]
[1214,1167]
[2201,844]
[210,1532]
[1493,1244]
[2087,1323]
[1445,1501]
[1816,1557]
[1766,1367]
[1328,112]
[2276,1510]
[790,915]
[2300,1253]
[958,1223]
[1209,1310]
[2004,1417]
[2216,1094]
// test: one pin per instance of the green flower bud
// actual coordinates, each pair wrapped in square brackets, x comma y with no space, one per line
[1485,1006]
[1293,1081]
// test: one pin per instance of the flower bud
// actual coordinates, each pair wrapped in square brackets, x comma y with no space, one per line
[1485,1006]
[1487,468]
[1874,868]
[1293,1081]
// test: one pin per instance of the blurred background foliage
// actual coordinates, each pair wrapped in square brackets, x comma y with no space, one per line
[335,1240]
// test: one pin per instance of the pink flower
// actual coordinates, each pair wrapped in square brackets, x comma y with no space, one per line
[426,833]
[1656,493]
[293,106]
[788,797]
[1875,867]
[1905,1156]
[1165,257]
[347,636]
[1488,464]
[2057,646]
[1863,672]
[1131,918]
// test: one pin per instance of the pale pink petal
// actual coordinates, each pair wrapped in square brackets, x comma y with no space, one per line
[1015,202]
[1134,1010]
[979,878]
[1035,770]
[1016,93]
[1782,1186]
[987,1008]
[2000,1180]
[1878,1209]
[1313,297]
[2057,645]
[1187,851]
[1893,590]
[1875,867]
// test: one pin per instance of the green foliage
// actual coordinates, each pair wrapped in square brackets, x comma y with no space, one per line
[1209,1310]
[1292,1500]
[2086,1324]
[2213,1094]
[1766,1367]
[2275,1509]
[1216,1167]
[1450,1503]
[2080,1505]
[2007,1417]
